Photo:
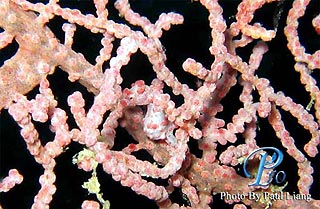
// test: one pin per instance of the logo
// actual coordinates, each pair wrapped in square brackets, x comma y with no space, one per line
[266,164]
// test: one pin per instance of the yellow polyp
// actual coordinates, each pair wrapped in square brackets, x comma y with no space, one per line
[92,185]
[311,103]
[83,155]
[275,188]
[241,160]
